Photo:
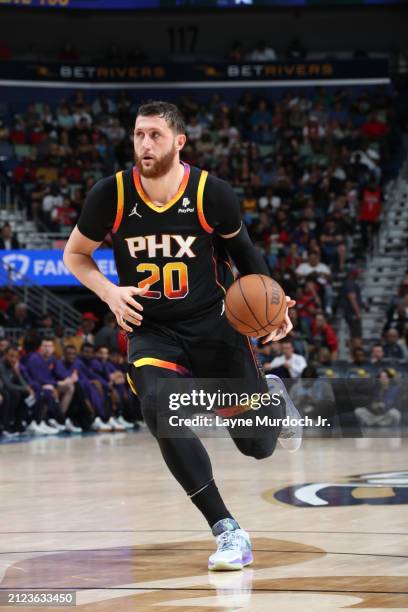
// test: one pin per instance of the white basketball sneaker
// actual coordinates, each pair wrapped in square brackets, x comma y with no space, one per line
[234,550]
[291,435]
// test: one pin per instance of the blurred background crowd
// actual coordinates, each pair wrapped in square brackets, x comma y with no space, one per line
[310,167]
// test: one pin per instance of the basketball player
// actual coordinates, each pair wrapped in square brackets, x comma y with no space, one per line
[173,227]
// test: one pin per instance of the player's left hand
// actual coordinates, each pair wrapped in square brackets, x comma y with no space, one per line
[286,326]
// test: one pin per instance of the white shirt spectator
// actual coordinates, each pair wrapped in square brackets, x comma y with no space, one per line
[194,131]
[266,54]
[51,201]
[273,201]
[296,364]
[321,270]
[81,116]
[115,132]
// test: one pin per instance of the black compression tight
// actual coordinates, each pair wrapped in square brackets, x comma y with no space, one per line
[185,455]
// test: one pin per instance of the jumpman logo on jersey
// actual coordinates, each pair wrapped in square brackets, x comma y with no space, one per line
[134,211]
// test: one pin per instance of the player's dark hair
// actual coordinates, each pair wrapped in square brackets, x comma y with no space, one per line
[12,347]
[69,346]
[169,112]
[85,345]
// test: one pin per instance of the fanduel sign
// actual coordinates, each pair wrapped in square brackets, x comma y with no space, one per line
[47,267]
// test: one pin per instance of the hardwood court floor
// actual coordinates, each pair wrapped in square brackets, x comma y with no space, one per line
[100,515]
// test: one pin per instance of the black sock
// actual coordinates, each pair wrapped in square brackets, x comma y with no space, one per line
[210,503]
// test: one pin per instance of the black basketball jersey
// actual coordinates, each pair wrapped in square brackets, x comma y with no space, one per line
[172,248]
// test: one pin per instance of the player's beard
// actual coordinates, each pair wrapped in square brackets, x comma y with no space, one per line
[160,167]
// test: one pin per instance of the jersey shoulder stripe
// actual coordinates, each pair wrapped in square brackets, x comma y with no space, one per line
[200,203]
[120,204]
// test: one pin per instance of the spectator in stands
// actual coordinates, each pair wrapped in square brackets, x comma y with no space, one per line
[18,316]
[7,240]
[313,396]
[287,365]
[51,202]
[92,399]
[323,358]
[334,244]
[323,335]
[359,357]
[383,409]
[395,302]
[352,303]
[377,354]
[398,313]
[314,269]
[296,51]
[262,53]
[261,118]
[269,200]
[402,322]
[308,302]
[20,396]
[82,118]
[25,397]
[90,369]
[119,390]
[393,347]
[64,217]
[108,333]
[64,117]
[89,321]
[40,366]
[370,211]
[194,129]
[4,342]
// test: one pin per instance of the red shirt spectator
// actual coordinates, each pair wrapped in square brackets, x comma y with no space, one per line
[65,215]
[73,174]
[37,136]
[18,135]
[370,208]
[308,300]
[374,128]
[24,173]
[322,329]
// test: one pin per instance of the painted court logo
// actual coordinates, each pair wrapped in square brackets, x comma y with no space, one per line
[384,488]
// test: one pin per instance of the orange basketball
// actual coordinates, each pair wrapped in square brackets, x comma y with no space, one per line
[255,305]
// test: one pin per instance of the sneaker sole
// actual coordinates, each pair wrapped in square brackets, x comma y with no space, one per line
[225,566]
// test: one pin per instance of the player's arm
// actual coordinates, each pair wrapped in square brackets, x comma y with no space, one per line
[97,217]
[224,215]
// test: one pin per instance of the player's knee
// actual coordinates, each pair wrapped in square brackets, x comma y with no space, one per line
[261,449]
[262,453]
[257,449]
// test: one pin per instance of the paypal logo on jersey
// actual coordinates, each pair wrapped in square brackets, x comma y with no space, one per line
[185,204]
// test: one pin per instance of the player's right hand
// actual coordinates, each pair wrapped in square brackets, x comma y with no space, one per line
[124,307]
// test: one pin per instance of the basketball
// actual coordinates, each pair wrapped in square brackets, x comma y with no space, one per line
[255,305]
